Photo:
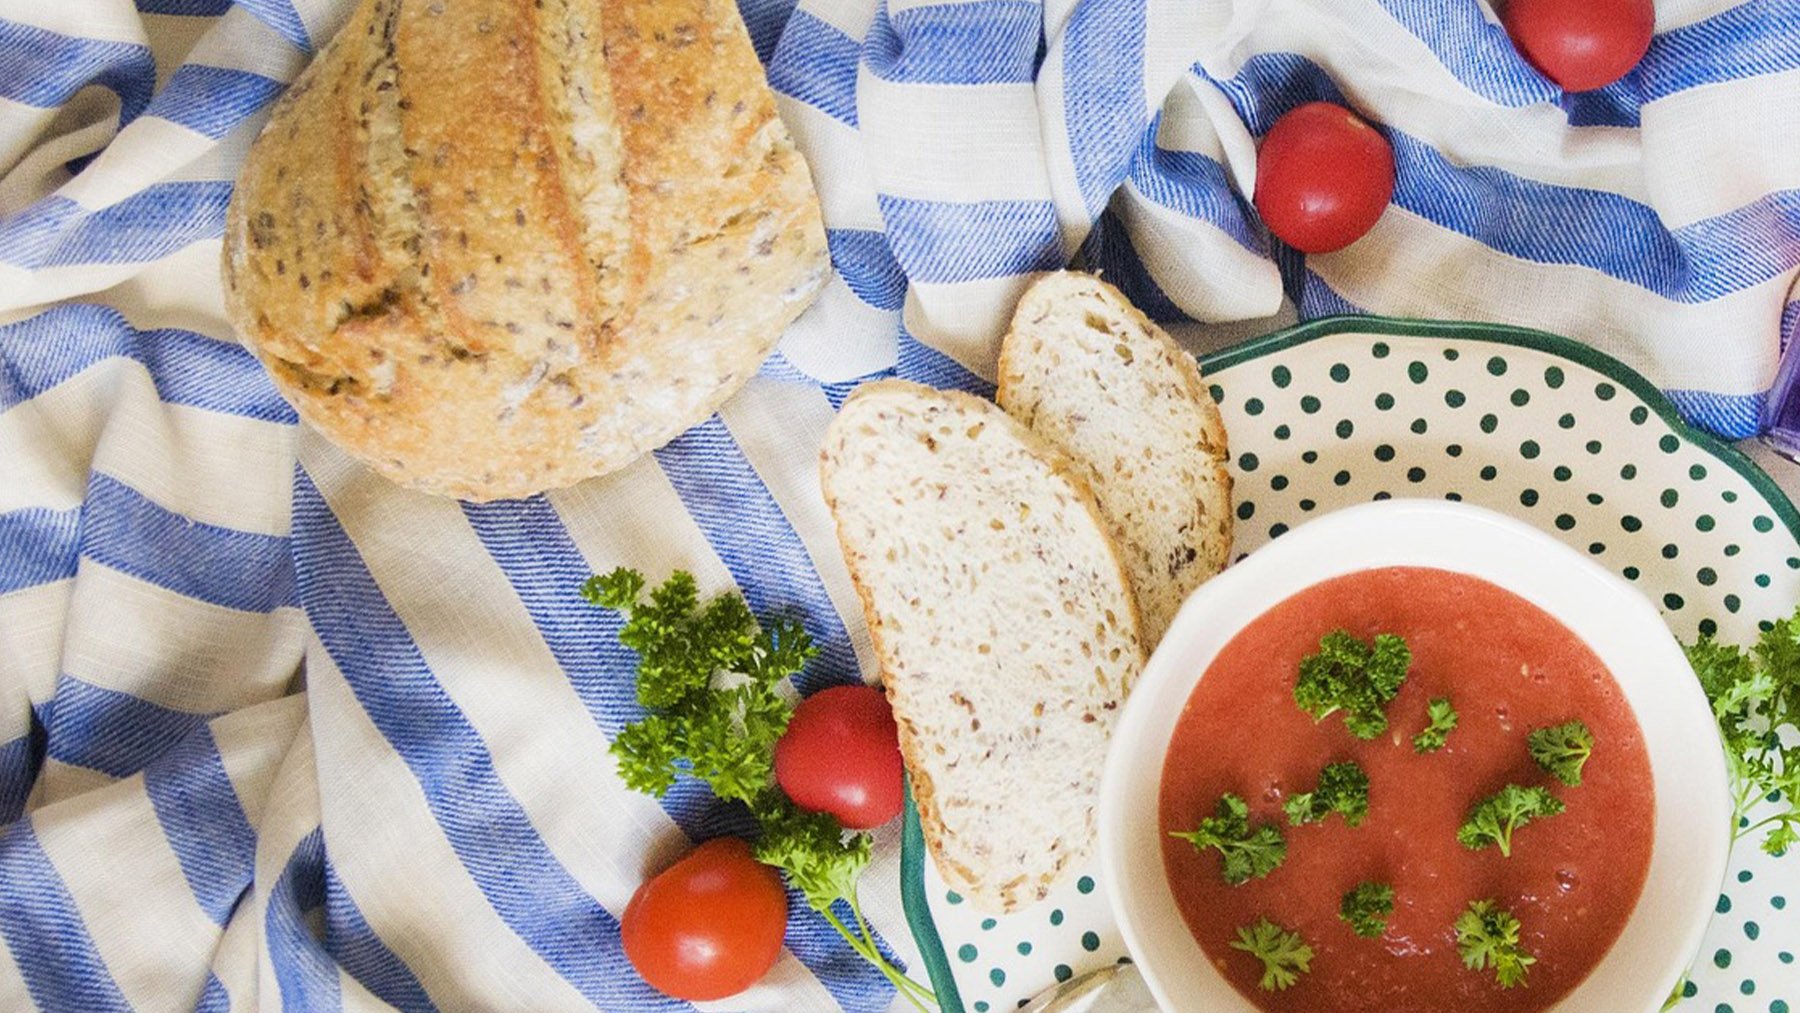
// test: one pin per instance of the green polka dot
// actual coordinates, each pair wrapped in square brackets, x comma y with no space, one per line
[1778,902]
[1722,958]
[1529,498]
[1669,444]
[1254,406]
[1380,496]
[1747,987]
[1415,475]
[1562,473]
[1763,524]
[1553,377]
[1520,397]
[1778,1006]
[1596,548]
[1306,505]
[1697,472]
[967,953]
[1384,401]
[1708,628]
[1488,472]
[1671,550]
[1454,450]
[1282,432]
[1385,452]
[1455,398]
[1529,450]
[997,976]
[1732,550]
[1723,906]
[1245,511]
[1416,372]
[1278,483]
[1605,391]
[1595,498]
[1340,372]
[1490,422]
[1793,562]
[1064,972]
[1344,428]
[1341,478]
[987,924]
[1565,522]
[1630,573]
[1630,523]
[1673,602]
[1496,366]
[1761,580]
[1310,456]
[1689,990]
[1085,884]
[1785,957]
[1628,472]
[1277,530]
[1309,404]
[1707,576]
[1733,603]
[1217,392]
[1728,496]
[1704,522]
[1566,421]
[1752,930]
[1090,941]
[953,897]
[981,1006]
[1419,426]
[1451,354]
[1281,376]
[1024,949]
[1595,446]
[1056,916]
[1379,349]
[1454,497]
[1640,415]
[1248,461]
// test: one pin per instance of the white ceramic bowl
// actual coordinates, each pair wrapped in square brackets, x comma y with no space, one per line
[1689,849]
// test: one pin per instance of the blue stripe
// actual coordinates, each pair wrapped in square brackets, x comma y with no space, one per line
[213,997]
[545,568]
[353,943]
[45,69]
[123,529]
[1103,94]
[1733,416]
[765,19]
[921,363]
[281,16]
[816,64]
[189,369]
[1790,323]
[212,100]
[978,42]
[44,931]
[1750,39]
[1195,186]
[490,832]
[38,546]
[304,972]
[20,761]
[867,265]
[201,816]
[939,241]
[112,732]
[1109,252]
[151,223]
[1318,299]
[185,8]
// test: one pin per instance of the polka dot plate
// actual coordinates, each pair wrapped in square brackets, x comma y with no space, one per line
[1351,409]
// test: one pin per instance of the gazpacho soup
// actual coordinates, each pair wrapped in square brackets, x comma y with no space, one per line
[1406,789]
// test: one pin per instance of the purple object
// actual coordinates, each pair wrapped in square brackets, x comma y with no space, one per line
[1781,417]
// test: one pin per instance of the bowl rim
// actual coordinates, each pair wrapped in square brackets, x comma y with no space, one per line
[1387,533]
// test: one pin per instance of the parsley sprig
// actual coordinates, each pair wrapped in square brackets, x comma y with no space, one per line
[1343,788]
[1247,851]
[1354,677]
[1443,718]
[1488,936]
[1562,750]
[709,677]
[1492,820]
[1367,907]
[1284,955]
[1755,698]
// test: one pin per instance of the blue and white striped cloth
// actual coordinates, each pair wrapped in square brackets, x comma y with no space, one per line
[274,733]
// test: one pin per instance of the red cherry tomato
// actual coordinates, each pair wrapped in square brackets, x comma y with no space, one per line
[841,755]
[1323,176]
[1581,44]
[710,925]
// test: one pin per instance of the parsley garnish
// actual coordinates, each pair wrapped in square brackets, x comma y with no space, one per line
[1493,819]
[1246,852]
[1755,698]
[1284,955]
[1343,788]
[1367,907]
[709,677]
[1488,936]
[1562,750]
[1443,720]
[1351,676]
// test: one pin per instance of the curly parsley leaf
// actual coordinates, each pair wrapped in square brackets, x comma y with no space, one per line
[1246,851]
[1443,718]
[821,862]
[1492,820]
[1755,697]
[1488,936]
[1284,955]
[1343,788]
[1354,677]
[1562,750]
[1367,907]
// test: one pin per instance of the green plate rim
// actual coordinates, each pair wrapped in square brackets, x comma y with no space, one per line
[912,842]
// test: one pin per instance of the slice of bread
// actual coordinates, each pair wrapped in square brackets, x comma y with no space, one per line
[1083,369]
[1003,622]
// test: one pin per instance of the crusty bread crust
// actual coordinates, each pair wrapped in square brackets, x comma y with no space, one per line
[493,247]
[1015,716]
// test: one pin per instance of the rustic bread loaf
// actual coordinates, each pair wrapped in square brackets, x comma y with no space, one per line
[1003,623]
[1083,369]
[493,247]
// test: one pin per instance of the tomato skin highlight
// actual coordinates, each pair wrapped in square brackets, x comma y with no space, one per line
[1323,177]
[708,926]
[841,755]
[1581,44]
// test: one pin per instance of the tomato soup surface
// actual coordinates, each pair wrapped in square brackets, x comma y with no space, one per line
[1509,668]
